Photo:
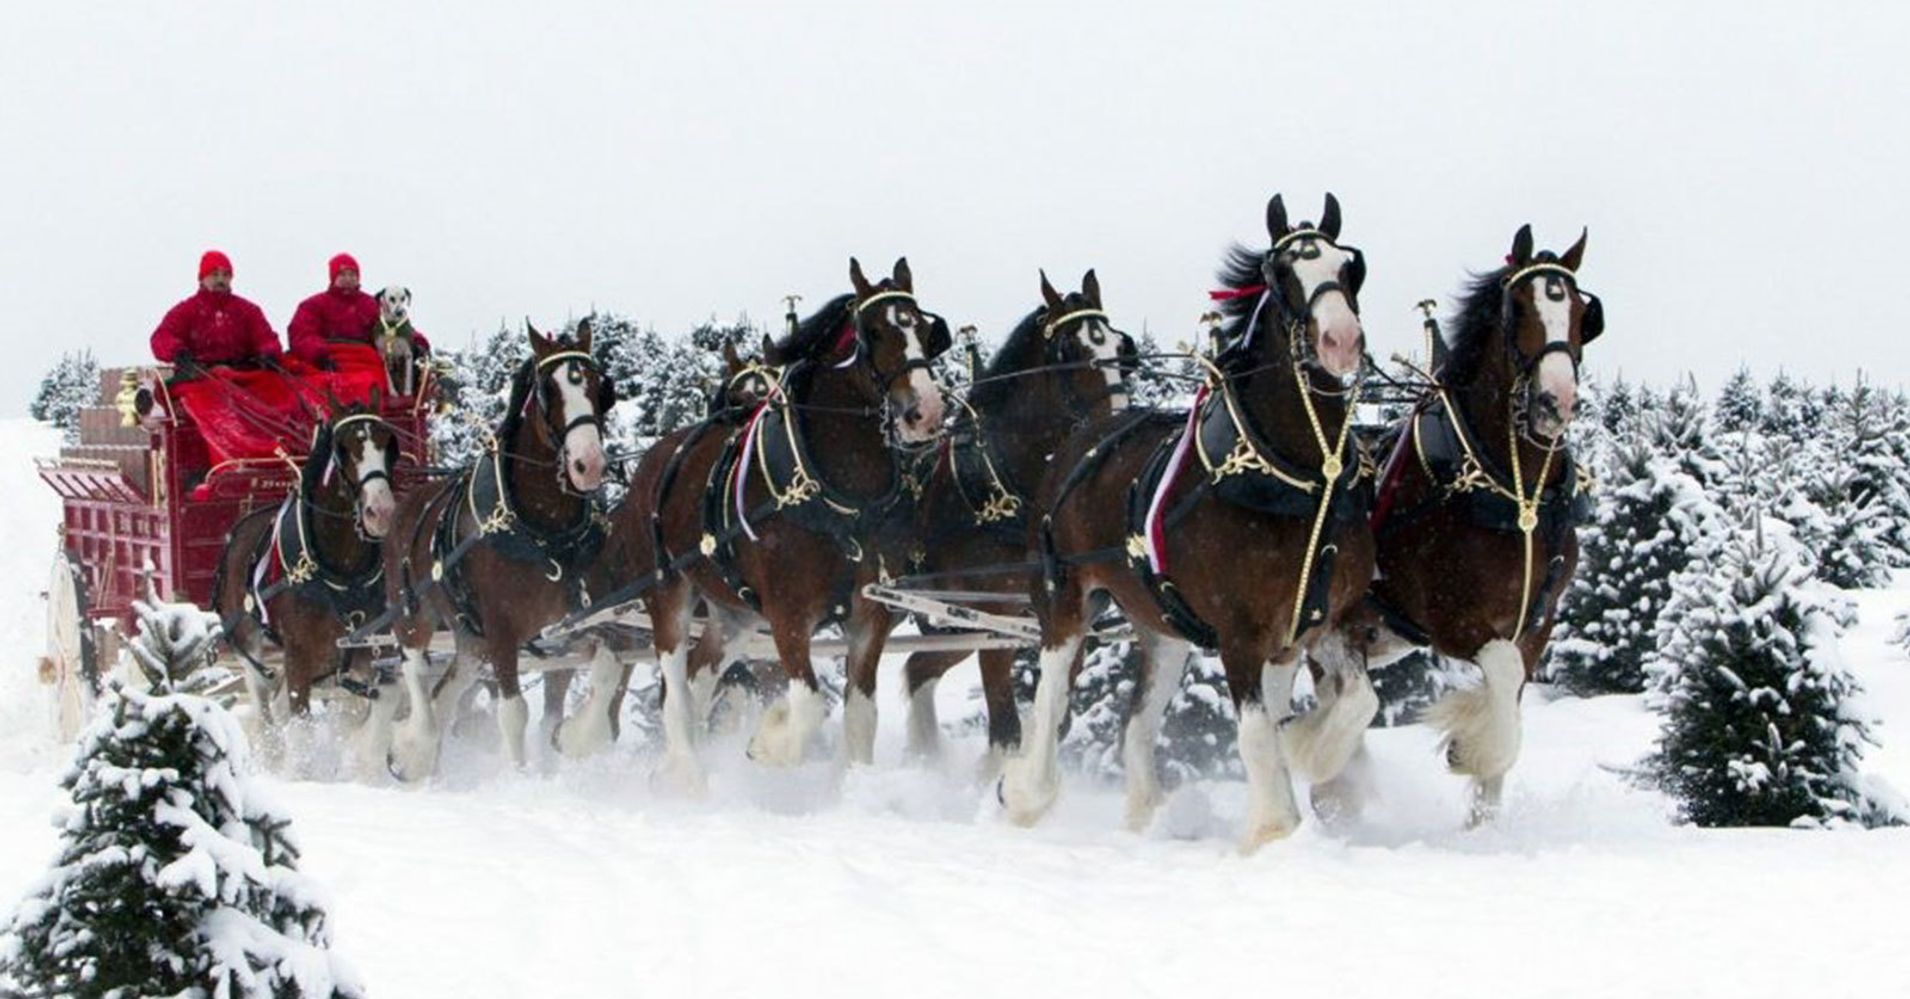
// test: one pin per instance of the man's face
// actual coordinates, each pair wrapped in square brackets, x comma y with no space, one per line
[218,280]
[347,279]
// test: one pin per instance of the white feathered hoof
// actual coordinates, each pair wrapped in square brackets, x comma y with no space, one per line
[1269,828]
[1482,738]
[680,776]
[786,727]
[584,735]
[1027,790]
[414,753]
[1142,803]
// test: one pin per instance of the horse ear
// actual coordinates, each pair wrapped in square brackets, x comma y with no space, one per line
[769,344]
[583,334]
[1091,287]
[1048,294]
[1330,218]
[856,279]
[1521,246]
[1576,254]
[377,398]
[903,279]
[539,343]
[1276,218]
[332,404]
[730,358]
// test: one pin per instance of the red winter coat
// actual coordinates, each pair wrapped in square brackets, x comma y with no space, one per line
[336,315]
[215,327]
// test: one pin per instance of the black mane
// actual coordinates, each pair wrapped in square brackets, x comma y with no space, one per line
[1475,329]
[1240,269]
[813,337]
[1021,351]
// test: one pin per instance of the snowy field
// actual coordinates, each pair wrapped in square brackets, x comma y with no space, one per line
[577,880]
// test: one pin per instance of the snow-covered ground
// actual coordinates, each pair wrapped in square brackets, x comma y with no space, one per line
[578,880]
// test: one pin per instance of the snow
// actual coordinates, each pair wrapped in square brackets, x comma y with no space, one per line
[577,879]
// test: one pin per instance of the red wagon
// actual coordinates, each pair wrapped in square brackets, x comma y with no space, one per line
[146,507]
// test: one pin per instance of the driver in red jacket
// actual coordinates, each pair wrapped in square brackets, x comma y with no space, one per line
[214,326]
[342,312]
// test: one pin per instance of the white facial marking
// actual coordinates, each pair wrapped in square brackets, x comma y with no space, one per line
[928,397]
[1333,312]
[583,443]
[1557,376]
[1105,345]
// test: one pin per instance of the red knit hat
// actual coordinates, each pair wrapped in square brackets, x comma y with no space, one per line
[341,262]
[211,261]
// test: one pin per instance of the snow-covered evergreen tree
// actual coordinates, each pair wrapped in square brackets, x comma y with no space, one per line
[1784,412]
[1620,410]
[1100,701]
[1759,725]
[1652,518]
[176,876]
[1740,405]
[1676,428]
[71,386]
[1872,446]
[1199,734]
[476,391]
[1408,686]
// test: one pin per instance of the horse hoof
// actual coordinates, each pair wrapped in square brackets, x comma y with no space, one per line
[1261,836]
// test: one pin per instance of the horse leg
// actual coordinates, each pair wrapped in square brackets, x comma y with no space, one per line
[868,631]
[786,727]
[556,691]
[371,744]
[513,715]
[669,609]
[1263,696]
[1163,661]
[258,687]
[1321,742]
[921,673]
[589,731]
[414,743]
[1482,726]
[1030,779]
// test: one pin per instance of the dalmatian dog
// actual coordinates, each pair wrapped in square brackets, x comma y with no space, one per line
[394,340]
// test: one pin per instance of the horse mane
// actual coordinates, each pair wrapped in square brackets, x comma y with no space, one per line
[317,461]
[1239,270]
[1009,358]
[1475,328]
[521,384]
[815,336]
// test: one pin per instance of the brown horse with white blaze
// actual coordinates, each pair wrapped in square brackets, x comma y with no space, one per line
[1475,521]
[793,511]
[301,574]
[1236,526]
[1064,365]
[502,549]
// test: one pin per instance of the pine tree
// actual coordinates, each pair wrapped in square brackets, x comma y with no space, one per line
[1871,448]
[71,386]
[1099,703]
[1652,518]
[1676,429]
[1740,405]
[476,392]
[1406,687]
[175,875]
[1620,410]
[1759,727]
[1784,413]
[1199,734]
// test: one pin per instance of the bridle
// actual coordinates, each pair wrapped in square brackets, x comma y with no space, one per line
[1294,321]
[1127,359]
[934,345]
[362,480]
[594,418]
[1525,368]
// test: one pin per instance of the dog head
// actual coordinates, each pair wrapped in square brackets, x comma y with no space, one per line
[394,304]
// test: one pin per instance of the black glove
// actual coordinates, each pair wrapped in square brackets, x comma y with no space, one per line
[184,361]
[325,364]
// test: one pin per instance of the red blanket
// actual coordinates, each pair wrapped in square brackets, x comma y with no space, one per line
[249,413]
[359,370]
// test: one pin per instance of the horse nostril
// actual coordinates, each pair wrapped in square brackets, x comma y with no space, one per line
[913,415]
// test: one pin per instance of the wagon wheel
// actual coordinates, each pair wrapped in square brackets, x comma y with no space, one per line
[71,663]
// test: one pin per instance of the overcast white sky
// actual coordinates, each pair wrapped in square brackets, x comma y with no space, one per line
[1741,166]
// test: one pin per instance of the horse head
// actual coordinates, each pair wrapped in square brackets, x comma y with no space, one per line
[571,394]
[1314,283]
[364,453]
[1095,358]
[1547,320]
[898,342]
